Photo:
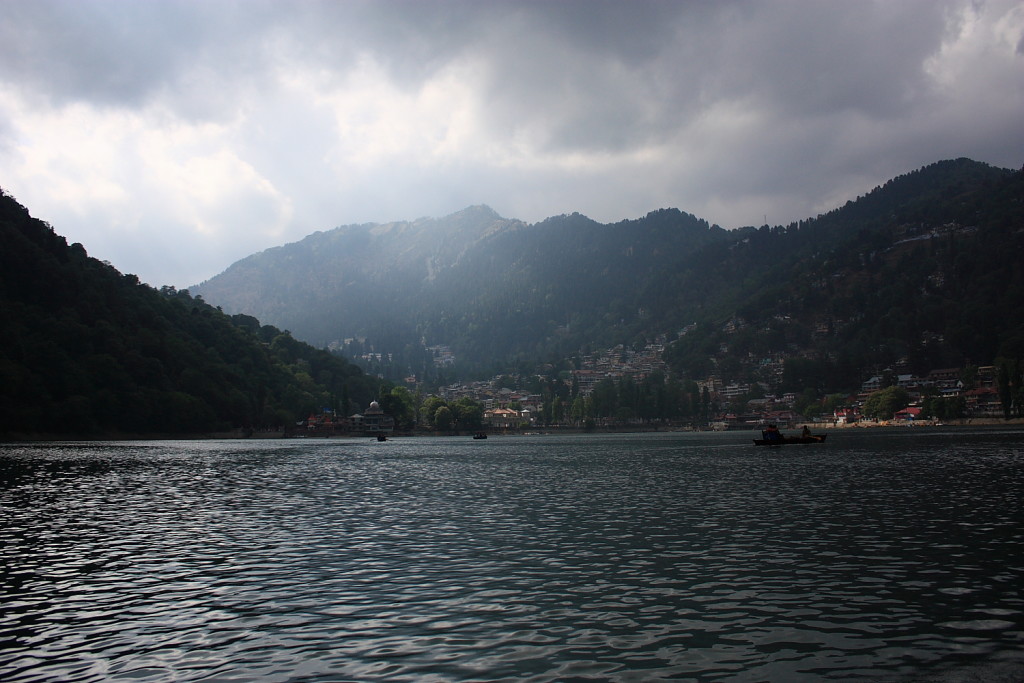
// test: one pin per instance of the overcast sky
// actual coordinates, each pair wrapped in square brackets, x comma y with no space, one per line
[173,138]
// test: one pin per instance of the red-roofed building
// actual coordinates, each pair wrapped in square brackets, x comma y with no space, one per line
[908,414]
[984,401]
[845,416]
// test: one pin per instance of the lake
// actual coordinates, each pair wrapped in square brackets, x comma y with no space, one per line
[880,555]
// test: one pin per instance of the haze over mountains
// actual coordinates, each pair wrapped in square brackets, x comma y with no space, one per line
[898,276]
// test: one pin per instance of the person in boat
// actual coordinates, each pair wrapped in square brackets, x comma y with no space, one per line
[805,432]
[773,433]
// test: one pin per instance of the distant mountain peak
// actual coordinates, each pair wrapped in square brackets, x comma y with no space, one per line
[480,210]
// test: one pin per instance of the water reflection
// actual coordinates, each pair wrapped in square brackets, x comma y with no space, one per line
[881,555]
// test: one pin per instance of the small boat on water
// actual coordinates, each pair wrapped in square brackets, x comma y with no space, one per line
[479,435]
[765,441]
[381,437]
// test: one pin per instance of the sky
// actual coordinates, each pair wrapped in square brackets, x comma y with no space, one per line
[173,138]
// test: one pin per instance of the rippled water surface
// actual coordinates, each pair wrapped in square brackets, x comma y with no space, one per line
[878,556]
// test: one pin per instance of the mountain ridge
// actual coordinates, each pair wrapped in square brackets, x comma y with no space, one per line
[501,292]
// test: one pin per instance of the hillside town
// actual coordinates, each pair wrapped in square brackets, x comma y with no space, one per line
[732,404]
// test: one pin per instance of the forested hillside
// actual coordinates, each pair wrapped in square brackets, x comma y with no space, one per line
[90,351]
[924,272]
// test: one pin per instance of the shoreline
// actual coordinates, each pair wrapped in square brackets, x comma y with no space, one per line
[961,422]
[243,435]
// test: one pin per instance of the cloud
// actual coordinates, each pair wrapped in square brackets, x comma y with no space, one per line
[174,138]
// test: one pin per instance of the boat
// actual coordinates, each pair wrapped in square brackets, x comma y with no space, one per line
[479,435]
[381,437]
[814,438]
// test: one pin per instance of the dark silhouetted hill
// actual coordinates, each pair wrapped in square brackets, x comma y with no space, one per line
[89,351]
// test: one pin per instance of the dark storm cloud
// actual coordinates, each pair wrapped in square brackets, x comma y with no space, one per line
[238,124]
[114,53]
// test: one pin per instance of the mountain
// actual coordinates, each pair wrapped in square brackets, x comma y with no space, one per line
[89,351]
[351,280]
[922,273]
[924,269]
[492,288]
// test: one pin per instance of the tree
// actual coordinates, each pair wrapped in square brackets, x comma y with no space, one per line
[604,398]
[580,409]
[834,402]
[807,403]
[557,410]
[1009,378]
[884,403]
[948,408]
[429,409]
[968,376]
[469,414]
[443,418]
[399,404]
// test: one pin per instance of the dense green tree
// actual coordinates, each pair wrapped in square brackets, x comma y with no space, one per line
[557,410]
[580,410]
[885,403]
[944,408]
[604,398]
[1010,384]
[429,409]
[398,403]
[833,402]
[443,418]
[468,414]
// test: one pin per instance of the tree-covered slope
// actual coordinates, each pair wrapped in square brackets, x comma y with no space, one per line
[89,351]
[922,273]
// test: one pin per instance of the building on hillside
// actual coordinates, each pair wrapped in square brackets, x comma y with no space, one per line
[324,424]
[780,417]
[502,418]
[940,376]
[873,384]
[908,414]
[374,422]
[953,390]
[986,376]
[983,402]
[734,390]
[844,416]
[586,379]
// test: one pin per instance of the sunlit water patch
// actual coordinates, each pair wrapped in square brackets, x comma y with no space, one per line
[880,556]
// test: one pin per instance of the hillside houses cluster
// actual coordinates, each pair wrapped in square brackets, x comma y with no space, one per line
[730,402]
[509,409]
[504,408]
[619,362]
[981,400]
[371,422]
